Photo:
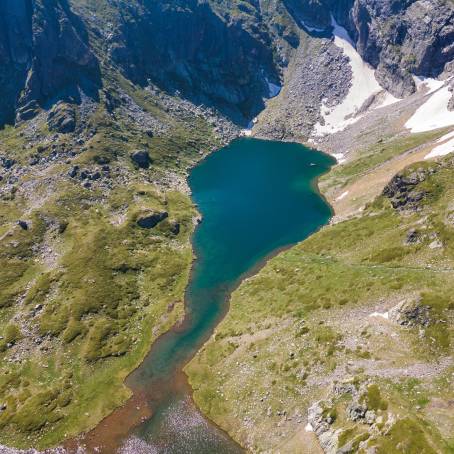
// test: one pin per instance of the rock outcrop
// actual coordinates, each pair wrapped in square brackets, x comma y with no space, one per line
[44,55]
[214,53]
[141,159]
[403,38]
[410,313]
[62,118]
[151,219]
[403,190]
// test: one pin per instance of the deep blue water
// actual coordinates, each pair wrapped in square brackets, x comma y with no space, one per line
[255,197]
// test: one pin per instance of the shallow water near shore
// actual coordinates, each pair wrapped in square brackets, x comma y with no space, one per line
[256,197]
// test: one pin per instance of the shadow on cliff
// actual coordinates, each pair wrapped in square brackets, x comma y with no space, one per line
[184,48]
[45,57]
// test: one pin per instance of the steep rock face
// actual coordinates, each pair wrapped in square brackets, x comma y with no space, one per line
[218,53]
[401,38]
[398,38]
[185,46]
[44,54]
[15,52]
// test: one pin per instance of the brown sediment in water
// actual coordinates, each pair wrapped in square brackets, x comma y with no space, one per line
[108,435]
[112,432]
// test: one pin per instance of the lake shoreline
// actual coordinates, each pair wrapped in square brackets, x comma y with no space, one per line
[181,325]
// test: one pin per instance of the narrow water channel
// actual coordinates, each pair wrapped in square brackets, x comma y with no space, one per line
[256,197]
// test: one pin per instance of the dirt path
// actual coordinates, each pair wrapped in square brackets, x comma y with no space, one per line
[371,184]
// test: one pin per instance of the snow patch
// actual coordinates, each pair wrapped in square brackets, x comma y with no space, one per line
[339,157]
[342,196]
[434,113]
[309,427]
[428,82]
[246,132]
[441,150]
[384,315]
[446,137]
[364,85]
[387,100]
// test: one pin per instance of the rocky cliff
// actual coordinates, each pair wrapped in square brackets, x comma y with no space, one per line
[401,38]
[217,53]
[44,54]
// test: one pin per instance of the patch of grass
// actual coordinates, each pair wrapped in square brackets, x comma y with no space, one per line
[373,398]
[10,335]
[406,435]
[93,308]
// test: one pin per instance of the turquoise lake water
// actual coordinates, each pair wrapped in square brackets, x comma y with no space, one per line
[255,197]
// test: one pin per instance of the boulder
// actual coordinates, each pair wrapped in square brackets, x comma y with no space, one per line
[73,172]
[403,190]
[62,118]
[370,417]
[152,219]
[7,163]
[141,158]
[410,313]
[412,237]
[23,225]
[174,227]
[356,411]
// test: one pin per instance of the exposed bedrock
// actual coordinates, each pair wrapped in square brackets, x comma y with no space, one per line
[44,54]
[401,38]
[220,54]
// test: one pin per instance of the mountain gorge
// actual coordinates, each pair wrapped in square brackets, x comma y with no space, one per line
[105,105]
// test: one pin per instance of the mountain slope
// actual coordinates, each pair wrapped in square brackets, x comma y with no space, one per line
[348,334]
[105,105]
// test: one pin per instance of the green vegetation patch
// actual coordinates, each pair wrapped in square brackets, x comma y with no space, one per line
[306,317]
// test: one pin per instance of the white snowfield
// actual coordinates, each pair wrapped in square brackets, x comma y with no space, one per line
[434,113]
[443,149]
[342,196]
[363,86]
[340,158]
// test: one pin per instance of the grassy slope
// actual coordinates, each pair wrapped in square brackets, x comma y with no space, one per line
[85,291]
[304,322]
